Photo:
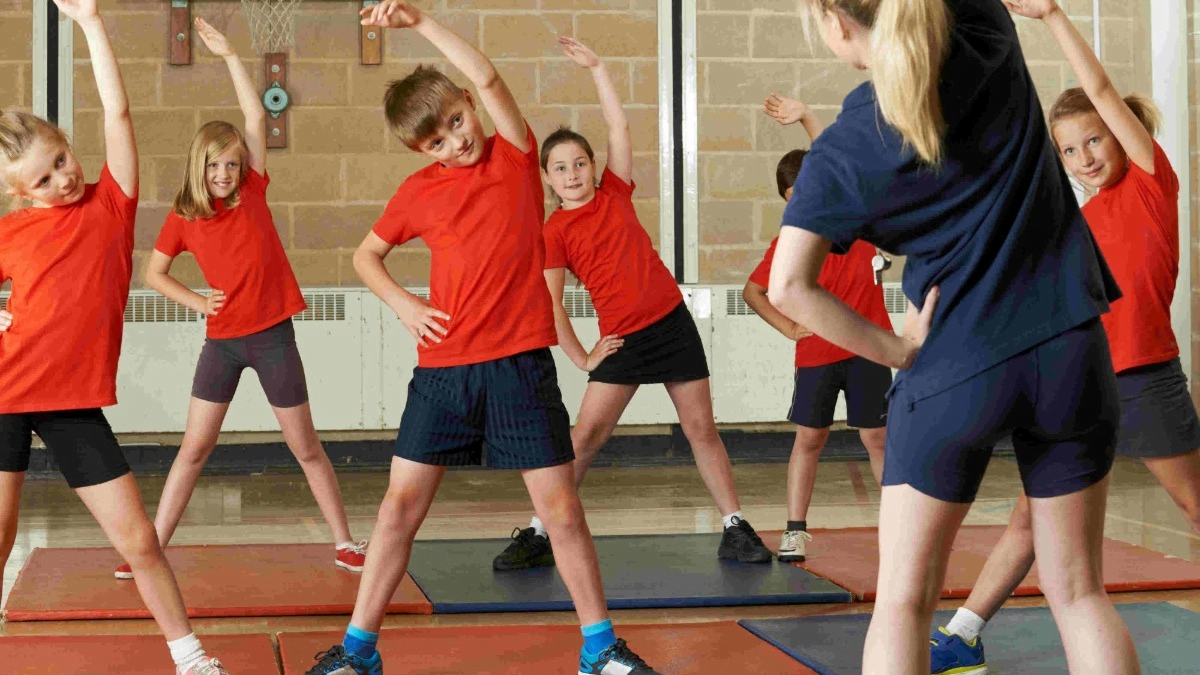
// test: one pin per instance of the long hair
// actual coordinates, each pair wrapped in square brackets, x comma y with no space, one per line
[18,132]
[910,41]
[193,201]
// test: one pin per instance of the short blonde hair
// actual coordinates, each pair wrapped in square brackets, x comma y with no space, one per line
[414,105]
[19,131]
[193,201]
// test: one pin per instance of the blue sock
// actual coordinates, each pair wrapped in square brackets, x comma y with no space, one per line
[360,643]
[598,637]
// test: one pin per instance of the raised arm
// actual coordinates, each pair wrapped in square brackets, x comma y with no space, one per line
[794,291]
[426,324]
[756,297]
[1094,81]
[120,146]
[251,105]
[556,279]
[620,147]
[493,91]
[789,111]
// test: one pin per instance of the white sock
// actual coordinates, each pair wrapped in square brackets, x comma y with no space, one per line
[538,528]
[186,651]
[728,520]
[966,624]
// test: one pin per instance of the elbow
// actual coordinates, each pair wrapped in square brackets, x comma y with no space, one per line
[489,79]
[363,260]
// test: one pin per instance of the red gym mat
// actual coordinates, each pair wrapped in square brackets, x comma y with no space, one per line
[850,558]
[62,584]
[518,650]
[128,654]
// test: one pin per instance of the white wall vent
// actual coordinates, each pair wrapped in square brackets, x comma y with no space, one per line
[893,299]
[578,303]
[323,307]
[3,300]
[735,305]
[150,307]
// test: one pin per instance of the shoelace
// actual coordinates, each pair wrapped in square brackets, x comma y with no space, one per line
[326,660]
[622,653]
[213,667]
[791,537]
[360,547]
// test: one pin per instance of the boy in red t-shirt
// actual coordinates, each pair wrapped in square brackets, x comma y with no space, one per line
[485,373]
[822,368]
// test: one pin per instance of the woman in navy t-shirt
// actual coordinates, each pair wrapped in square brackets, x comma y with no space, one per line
[945,159]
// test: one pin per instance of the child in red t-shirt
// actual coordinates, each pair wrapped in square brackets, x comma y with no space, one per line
[1107,143]
[822,368]
[69,257]
[485,376]
[221,216]
[649,334]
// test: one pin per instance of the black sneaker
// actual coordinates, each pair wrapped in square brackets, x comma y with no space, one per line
[618,659]
[741,543]
[528,549]
[335,661]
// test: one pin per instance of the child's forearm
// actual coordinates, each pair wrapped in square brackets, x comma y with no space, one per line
[248,100]
[827,316]
[109,83]
[812,125]
[461,54]
[610,100]
[756,297]
[567,339]
[174,290]
[374,274]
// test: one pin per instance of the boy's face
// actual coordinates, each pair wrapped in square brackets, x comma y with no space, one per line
[458,140]
[48,174]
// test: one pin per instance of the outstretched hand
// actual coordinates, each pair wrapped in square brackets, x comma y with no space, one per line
[391,14]
[78,10]
[213,39]
[1032,9]
[578,52]
[784,110]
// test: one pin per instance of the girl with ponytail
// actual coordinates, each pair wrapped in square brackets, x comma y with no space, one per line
[945,157]
[1107,143]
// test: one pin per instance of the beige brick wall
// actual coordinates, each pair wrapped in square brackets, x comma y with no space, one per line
[332,182]
[746,50]
[16,67]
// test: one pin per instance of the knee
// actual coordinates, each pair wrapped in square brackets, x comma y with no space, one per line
[138,542]
[1020,523]
[400,511]
[309,451]
[809,442]
[196,450]
[700,432]
[564,515]
[873,439]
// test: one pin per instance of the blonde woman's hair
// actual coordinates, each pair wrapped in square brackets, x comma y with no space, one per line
[19,131]
[193,201]
[910,41]
[1075,101]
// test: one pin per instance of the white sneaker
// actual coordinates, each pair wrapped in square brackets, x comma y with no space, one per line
[207,666]
[791,546]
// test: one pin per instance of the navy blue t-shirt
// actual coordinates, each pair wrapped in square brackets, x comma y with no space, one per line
[995,226]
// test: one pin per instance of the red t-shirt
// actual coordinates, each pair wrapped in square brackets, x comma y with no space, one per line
[1136,225]
[240,253]
[70,268]
[851,279]
[483,226]
[604,245]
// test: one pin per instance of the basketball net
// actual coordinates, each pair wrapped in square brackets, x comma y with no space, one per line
[271,24]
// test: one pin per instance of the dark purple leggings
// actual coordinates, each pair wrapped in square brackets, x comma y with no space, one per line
[270,353]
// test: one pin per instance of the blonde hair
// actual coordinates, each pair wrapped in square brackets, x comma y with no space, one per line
[193,201]
[910,41]
[19,131]
[414,105]
[1075,101]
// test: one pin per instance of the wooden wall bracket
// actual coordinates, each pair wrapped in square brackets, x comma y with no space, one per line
[180,36]
[276,99]
[370,41]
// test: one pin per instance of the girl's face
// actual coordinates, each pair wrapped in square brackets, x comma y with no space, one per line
[1089,150]
[223,173]
[845,38]
[48,174]
[571,174]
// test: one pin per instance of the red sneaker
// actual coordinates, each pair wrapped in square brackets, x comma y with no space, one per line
[352,556]
[123,572]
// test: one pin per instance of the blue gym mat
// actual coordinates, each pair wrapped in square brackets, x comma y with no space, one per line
[1023,641]
[639,572]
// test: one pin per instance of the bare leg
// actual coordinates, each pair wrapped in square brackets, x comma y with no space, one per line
[1180,476]
[11,483]
[411,489]
[874,440]
[598,415]
[556,500]
[199,438]
[693,404]
[916,532]
[1067,535]
[117,506]
[1007,565]
[301,438]
[802,469]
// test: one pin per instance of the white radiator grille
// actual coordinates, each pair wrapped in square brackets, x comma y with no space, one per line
[323,307]
[578,303]
[735,305]
[3,300]
[150,307]
[893,299]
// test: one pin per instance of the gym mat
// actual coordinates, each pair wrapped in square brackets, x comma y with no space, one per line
[128,654]
[675,649]
[1023,641]
[643,571]
[61,584]
[850,558]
